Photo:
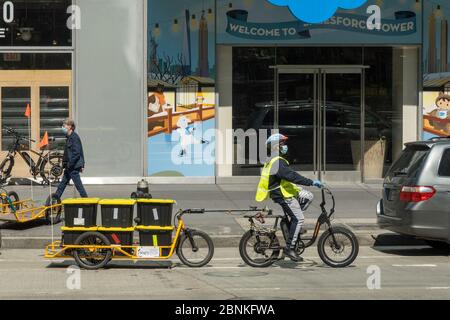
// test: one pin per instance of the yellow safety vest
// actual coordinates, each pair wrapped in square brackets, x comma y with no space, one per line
[288,189]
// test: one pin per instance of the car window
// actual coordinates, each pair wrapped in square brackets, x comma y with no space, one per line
[410,161]
[335,118]
[444,167]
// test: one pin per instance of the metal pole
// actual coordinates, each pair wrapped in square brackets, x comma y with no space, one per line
[363,123]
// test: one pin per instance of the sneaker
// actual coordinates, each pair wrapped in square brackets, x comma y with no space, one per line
[292,255]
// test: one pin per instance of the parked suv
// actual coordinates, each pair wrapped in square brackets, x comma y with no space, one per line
[416,193]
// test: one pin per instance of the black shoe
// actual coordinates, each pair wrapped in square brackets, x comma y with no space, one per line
[292,255]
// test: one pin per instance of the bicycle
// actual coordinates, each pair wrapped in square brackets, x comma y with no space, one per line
[92,250]
[259,247]
[49,164]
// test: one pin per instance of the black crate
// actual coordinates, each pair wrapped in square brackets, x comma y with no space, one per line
[156,238]
[117,236]
[153,212]
[117,214]
[80,212]
[70,235]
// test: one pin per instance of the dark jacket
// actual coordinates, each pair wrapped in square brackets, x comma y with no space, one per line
[73,153]
[282,171]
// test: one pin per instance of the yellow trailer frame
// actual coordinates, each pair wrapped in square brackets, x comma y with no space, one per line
[23,210]
[56,250]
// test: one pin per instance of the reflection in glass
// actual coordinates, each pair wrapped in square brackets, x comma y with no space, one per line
[13,105]
[37,23]
[54,108]
[35,61]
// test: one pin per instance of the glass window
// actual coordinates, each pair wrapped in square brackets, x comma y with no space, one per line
[319,55]
[444,167]
[54,108]
[410,161]
[35,61]
[13,105]
[37,23]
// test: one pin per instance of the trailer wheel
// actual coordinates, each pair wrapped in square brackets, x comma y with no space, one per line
[95,258]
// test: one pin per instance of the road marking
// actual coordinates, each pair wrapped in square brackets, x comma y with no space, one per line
[251,289]
[438,288]
[415,265]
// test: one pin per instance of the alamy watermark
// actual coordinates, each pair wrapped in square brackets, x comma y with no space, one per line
[374,280]
[73,281]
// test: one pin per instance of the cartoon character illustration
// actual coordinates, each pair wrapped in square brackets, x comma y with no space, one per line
[157,101]
[442,112]
[186,132]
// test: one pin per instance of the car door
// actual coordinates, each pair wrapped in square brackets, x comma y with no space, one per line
[443,187]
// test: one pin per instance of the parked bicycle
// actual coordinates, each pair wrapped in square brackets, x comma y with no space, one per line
[338,247]
[49,165]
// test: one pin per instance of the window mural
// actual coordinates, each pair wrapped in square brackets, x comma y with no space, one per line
[181,88]
[436,98]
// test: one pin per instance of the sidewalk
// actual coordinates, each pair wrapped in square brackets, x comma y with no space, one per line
[355,208]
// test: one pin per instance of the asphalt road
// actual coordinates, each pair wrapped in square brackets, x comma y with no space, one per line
[414,272]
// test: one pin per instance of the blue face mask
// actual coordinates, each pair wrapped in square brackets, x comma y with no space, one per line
[64,130]
[284,149]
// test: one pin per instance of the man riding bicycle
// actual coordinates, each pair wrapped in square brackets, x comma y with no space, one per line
[280,182]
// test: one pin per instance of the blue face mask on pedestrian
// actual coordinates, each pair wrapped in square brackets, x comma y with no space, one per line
[64,130]
[284,149]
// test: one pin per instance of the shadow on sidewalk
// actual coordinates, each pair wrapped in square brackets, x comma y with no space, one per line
[22,226]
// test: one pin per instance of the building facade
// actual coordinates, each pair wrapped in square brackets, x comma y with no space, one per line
[185,91]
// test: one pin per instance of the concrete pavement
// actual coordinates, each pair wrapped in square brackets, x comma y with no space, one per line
[404,272]
[355,207]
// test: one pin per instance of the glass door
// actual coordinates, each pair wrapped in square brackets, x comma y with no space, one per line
[320,108]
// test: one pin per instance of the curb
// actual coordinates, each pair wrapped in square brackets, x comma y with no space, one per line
[368,238]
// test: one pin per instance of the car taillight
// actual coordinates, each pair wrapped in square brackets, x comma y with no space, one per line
[416,194]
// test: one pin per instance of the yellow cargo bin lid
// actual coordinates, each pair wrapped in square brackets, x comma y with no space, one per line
[155,228]
[82,229]
[81,201]
[105,229]
[164,201]
[117,202]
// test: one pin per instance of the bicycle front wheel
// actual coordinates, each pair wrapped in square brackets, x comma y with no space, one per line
[259,250]
[195,249]
[341,251]
[5,169]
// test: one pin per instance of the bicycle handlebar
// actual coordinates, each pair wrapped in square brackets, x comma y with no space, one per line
[326,190]
[20,137]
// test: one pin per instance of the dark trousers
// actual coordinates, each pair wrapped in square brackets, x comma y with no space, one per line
[73,175]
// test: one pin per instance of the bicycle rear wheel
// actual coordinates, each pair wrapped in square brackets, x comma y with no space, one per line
[51,169]
[196,249]
[255,249]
